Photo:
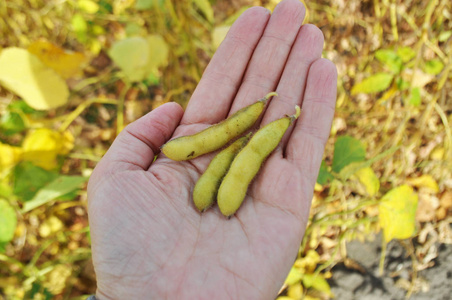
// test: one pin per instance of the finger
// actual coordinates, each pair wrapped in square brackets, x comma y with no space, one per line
[212,98]
[271,53]
[136,146]
[307,48]
[307,141]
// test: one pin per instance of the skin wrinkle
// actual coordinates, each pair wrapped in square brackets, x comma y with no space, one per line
[236,277]
[275,38]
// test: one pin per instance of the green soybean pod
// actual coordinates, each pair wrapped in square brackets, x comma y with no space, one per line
[206,188]
[247,163]
[216,136]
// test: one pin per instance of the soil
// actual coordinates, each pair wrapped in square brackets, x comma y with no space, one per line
[363,281]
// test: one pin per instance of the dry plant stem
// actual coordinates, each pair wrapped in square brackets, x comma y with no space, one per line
[393,11]
[120,112]
[448,144]
[382,257]
[68,119]
[410,249]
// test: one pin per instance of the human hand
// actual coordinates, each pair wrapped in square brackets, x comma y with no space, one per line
[149,240]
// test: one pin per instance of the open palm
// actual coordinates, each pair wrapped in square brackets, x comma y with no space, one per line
[148,239]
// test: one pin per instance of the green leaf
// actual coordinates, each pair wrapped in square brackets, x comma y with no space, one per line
[206,9]
[373,84]
[22,106]
[415,97]
[347,150]
[324,175]
[397,214]
[8,222]
[434,66]
[5,190]
[390,59]
[79,24]
[57,188]
[11,123]
[28,179]
[406,53]
[402,84]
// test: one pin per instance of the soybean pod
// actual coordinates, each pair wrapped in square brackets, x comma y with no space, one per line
[206,188]
[216,136]
[247,163]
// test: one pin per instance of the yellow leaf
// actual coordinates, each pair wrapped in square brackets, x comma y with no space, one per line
[88,6]
[295,291]
[309,262]
[294,276]
[9,156]
[42,146]
[158,52]
[24,74]
[65,63]
[119,6]
[397,213]
[218,35]
[317,282]
[426,181]
[284,298]
[369,179]
[139,57]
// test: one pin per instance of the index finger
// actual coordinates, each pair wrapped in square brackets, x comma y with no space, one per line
[218,86]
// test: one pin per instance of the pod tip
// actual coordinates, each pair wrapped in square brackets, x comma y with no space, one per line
[297,111]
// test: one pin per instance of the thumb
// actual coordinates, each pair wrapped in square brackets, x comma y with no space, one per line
[136,146]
